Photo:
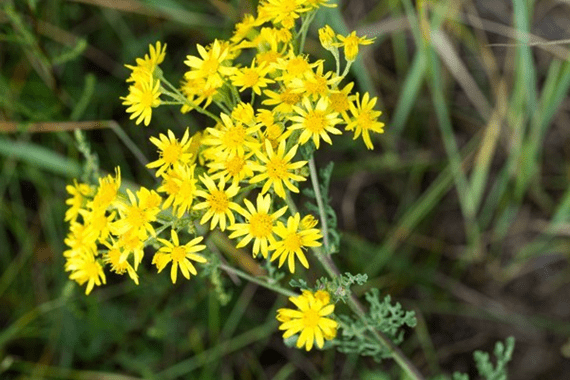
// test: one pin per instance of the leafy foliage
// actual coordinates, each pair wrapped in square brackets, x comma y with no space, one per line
[384,317]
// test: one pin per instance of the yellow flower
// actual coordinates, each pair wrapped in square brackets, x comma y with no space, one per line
[365,119]
[180,185]
[340,100]
[142,98]
[217,201]
[80,240]
[283,101]
[85,268]
[252,77]
[234,168]
[171,151]
[130,242]
[315,84]
[113,258]
[106,194]
[277,169]
[310,319]
[260,225]
[294,237]
[212,63]
[282,12]
[315,122]
[199,90]
[244,28]
[179,255]
[231,138]
[350,44]
[79,193]
[97,221]
[243,113]
[137,216]
[327,37]
[293,66]
[145,66]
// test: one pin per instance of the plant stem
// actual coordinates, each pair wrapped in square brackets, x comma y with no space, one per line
[318,196]
[353,302]
[260,281]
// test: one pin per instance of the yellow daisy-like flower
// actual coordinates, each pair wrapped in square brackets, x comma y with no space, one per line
[365,119]
[351,43]
[212,63]
[81,240]
[137,216]
[311,319]
[85,268]
[340,100]
[98,221]
[294,237]
[283,12]
[217,201]
[231,138]
[131,243]
[79,193]
[233,168]
[315,123]
[179,255]
[293,66]
[252,77]
[243,113]
[180,185]
[315,84]
[113,258]
[107,191]
[260,225]
[145,66]
[143,96]
[199,90]
[283,100]
[277,169]
[171,151]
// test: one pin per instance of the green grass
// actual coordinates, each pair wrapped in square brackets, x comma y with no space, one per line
[461,212]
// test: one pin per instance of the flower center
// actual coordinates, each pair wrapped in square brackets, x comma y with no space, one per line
[172,152]
[178,254]
[210,66]
[260,225]
[292,242]
[315,121]
[187,189]
[289,97]
[277,168]
[311,318]
[234,137]
[218,201]
[234,165]
[364,120]
[136,217]
[250,77]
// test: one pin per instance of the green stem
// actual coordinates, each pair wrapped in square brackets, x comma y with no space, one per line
[258,280]
[305,28]
[320,204]
[353,302]
[177,95]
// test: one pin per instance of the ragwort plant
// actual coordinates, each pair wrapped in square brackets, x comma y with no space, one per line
[271,107]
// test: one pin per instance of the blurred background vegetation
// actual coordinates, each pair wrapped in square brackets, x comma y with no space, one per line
[461,213]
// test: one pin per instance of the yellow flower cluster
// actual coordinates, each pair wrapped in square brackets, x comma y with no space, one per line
[266,100]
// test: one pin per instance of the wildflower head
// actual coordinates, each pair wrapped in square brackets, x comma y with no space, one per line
[310,320]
